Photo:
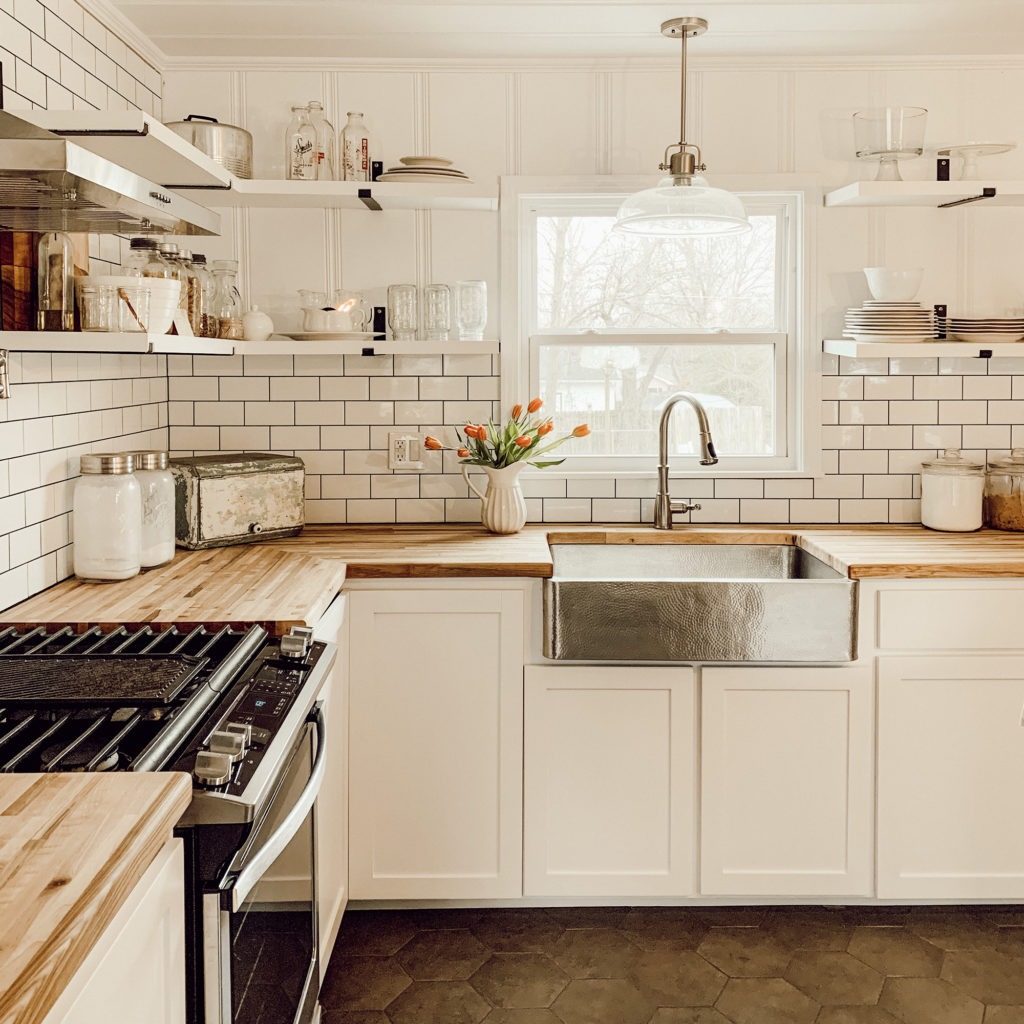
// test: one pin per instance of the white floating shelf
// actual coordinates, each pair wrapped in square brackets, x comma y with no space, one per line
[925,193]
[102,341]
[920,349]
[348,195]
[278,346]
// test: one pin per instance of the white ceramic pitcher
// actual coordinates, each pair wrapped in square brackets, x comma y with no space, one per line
[503,505]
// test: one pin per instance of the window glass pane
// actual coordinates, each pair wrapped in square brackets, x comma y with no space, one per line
[619,390]
[589,277]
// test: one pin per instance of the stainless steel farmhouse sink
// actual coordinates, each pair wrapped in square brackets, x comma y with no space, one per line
[697,602]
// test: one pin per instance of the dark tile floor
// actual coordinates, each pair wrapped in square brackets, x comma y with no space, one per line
[646,965]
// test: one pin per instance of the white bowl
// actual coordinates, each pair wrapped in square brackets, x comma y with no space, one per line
[891,285]
[164,294]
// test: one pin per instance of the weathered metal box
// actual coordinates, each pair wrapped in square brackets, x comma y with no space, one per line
[237,499]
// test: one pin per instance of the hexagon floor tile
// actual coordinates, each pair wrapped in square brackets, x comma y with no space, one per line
[679,965]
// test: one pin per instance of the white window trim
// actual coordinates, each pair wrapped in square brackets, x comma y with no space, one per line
[517,194]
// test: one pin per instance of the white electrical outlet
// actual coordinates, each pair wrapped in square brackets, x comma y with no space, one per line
[405,451]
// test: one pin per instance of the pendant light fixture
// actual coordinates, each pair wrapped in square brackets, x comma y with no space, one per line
[682,203]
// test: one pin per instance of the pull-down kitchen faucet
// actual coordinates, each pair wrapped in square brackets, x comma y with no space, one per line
[664,507]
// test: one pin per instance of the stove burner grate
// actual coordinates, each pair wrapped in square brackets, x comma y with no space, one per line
[137,680]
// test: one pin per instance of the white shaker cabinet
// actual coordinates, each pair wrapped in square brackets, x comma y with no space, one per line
[136,970]
[436,743]
[610,759]
[786,781]
[332,803]
[951,777]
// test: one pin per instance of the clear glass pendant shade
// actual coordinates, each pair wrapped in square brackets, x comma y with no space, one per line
[674,208]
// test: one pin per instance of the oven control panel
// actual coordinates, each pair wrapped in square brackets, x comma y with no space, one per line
[228,755]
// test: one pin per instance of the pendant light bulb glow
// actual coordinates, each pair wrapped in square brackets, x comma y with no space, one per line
[682,204]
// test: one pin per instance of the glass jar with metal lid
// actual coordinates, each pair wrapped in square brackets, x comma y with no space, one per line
[951,491]
[1004,492]
[107,519]
[157,487]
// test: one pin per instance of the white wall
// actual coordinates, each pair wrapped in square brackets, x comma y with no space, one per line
[59,56]
[879,417]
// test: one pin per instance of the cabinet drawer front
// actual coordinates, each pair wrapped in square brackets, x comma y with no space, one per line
[950,618]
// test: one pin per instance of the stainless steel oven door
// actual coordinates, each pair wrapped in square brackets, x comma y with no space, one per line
[260,958]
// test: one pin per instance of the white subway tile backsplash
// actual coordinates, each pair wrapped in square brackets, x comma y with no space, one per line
[293,389]
[393,389]
[866,412]
[866,510]
[913,412]
[986,388]
[929,437]
[966,412]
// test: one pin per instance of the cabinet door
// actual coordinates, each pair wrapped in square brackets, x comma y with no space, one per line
[610,781]
[332,803]
[787,781]
[136,971]
[951,777]
[436,744]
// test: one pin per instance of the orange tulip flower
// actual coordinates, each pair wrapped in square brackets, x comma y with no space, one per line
[581,431]
[432,444]
[523,441]
[481,432]
[517,411]
[470,430]
[463,453]
[535,404]
[545,428]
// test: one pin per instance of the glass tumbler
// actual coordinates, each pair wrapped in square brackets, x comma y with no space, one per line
[437,312]
[133,308]
[471,304]
[97,309]
[403,317]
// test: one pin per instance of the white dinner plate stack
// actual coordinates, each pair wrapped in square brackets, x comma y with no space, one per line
[986,331]
[424,168]
[888,322]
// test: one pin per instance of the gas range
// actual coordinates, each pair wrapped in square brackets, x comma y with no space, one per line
[223,705]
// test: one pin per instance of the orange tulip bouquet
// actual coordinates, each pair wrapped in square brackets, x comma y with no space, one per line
[520,440]
[501,454]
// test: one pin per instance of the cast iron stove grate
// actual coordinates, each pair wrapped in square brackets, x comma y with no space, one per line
[101,680]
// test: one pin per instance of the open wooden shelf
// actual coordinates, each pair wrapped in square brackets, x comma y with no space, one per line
[278,346]
[925,193]
[920,349]
[348,195]
[104,341]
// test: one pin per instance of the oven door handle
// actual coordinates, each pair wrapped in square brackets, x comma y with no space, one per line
[258,863]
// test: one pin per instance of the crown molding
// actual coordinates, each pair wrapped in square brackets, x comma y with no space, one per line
[126,30]
[736,62]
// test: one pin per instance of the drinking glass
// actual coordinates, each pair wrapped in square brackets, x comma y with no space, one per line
[133,308]
[471,303]
[96,307]
[437,312]
[403,315]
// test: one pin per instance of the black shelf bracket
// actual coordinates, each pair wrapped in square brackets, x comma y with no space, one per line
[988,192]
[371,204]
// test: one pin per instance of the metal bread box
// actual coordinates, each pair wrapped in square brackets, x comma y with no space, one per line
[236,499]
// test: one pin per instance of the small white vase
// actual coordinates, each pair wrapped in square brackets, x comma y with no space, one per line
[503,507]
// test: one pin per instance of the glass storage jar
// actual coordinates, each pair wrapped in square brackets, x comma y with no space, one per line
[227,302]
[107,519]
[951,493]
[1004,492]
[55,308]
[157,495]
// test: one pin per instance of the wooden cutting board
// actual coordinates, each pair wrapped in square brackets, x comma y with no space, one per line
[72,848]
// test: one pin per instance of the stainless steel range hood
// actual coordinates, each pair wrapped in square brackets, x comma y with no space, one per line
[50,184]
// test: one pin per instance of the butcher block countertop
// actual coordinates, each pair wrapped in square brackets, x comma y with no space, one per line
[291,581]
[72,848]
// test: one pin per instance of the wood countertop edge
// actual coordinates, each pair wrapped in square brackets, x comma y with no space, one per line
[36,971]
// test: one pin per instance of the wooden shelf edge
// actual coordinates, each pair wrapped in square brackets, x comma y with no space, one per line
[920,350]
[287,347]
[102,342]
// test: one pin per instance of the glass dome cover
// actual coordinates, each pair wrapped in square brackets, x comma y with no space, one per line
[676,207]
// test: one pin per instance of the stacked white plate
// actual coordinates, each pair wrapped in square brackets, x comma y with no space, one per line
[986,331]
[888,322]
[424,168]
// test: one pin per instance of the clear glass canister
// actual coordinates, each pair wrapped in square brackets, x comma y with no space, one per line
[227,302]
[107,519]
[157,486]
[1004,492]
[951,493]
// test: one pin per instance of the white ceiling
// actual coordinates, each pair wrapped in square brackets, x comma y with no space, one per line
[523,29]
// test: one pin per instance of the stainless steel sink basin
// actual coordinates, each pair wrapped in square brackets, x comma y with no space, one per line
[697,602]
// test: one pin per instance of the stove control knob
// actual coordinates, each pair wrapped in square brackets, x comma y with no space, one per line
[212,769]
[296,642]
[243,729]
[229,743]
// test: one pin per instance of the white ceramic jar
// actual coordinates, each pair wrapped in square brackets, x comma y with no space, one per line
[107,519]
[952,489]
[157,491]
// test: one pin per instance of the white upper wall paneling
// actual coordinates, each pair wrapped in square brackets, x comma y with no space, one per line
[558,126]
[469,120]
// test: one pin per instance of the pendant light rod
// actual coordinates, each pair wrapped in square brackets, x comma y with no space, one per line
[683,159]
